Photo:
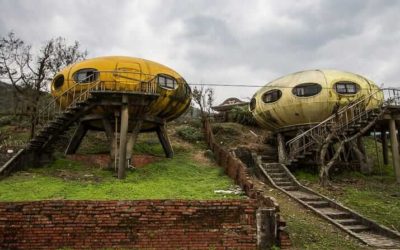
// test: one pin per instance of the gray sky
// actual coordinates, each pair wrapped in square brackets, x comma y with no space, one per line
[227,42]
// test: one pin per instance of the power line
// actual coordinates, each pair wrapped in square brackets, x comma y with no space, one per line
[257,86]
[226,85]
[241,85]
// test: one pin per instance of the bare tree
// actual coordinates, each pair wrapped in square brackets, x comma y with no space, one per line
[210,99]
[198,97]
[331,138]
[29,73]
[204,98]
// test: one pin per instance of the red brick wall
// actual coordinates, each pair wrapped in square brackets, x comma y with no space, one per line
[149,224]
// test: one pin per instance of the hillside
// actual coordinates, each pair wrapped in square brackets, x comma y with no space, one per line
[189,175]
[193,174]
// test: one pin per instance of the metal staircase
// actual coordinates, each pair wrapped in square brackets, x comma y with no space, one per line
[60,114]
[54,120]
[367,231]
[345,123]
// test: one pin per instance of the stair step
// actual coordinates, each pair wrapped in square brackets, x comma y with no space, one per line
[338,215]
[290,188]
[268,157]
[81,103]
[68,112]
[281,179]
[275,171]
[36,143]
[38,140]
[272,169]
[311,198]
[357,228]
[283,183]
[56,123]
[318,204]
[74,108]
[62,118]
[277,174]
[347,221]
[51,129]
[42,135]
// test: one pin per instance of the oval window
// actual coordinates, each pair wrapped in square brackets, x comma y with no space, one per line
[58,81]
[86,75]
[346,87]
[272,96]
[252,104]
[306,89]
[166,81]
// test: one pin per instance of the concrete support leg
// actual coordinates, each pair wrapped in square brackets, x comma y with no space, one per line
[112,142]
[267,228]
[366,163]
[122,163]
[164,140]
[76,139]
[395,149]
[384,147]
[131,142]
[282,153]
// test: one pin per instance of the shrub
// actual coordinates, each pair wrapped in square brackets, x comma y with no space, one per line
[6,120]
[189,134]
[243,116]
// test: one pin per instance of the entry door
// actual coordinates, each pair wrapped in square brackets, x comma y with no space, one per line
[129,75]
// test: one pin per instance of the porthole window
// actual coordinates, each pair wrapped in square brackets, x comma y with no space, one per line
[272,96]
[306,89]
[167,82]
[346,87]
[86,75]
[58,81]
[252,104]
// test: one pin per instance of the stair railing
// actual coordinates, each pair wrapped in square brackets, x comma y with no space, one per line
[349,114]
[106,81]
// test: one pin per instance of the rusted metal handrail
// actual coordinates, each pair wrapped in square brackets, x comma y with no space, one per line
[118,80]
[342,120]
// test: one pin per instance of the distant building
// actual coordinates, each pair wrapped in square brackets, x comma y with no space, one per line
[224,110]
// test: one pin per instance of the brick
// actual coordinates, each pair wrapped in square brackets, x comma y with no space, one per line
[151,224]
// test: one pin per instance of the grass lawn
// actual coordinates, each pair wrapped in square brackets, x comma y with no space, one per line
[189,175]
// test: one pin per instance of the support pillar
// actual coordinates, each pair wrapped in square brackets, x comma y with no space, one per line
[384,147]
[76,139]
[282,153]
[267,227]
[395,149]
[112,142]
[132,140]
[366,164]
[164,140]
[122,163]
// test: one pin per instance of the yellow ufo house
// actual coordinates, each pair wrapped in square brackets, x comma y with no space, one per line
[122,96]
[308,97]
[125,74]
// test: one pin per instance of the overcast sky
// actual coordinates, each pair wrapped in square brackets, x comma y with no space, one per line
[224,42]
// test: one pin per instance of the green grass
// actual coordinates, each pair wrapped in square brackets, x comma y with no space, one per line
[382,205]
[177,178]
